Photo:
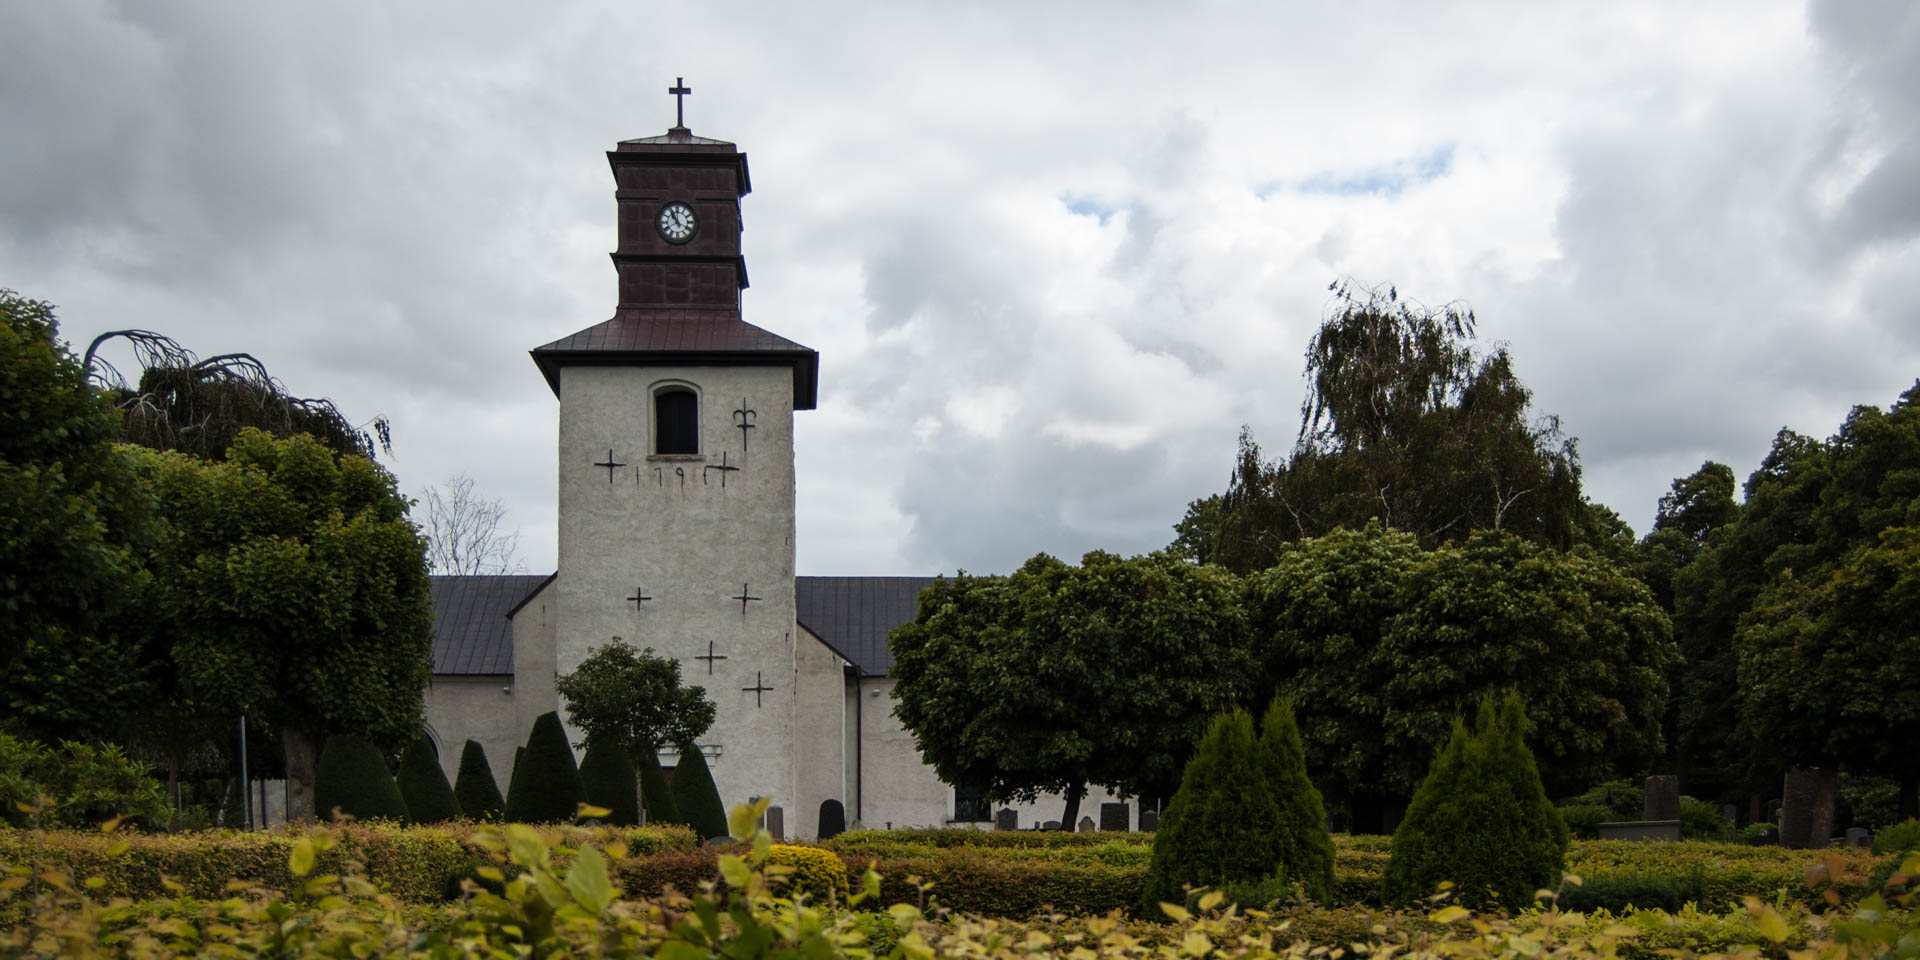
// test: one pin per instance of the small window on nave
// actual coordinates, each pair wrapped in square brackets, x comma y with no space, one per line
[676,421]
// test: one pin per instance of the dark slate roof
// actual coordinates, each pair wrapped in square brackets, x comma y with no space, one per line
[853,614]
[692,336]
[471,633]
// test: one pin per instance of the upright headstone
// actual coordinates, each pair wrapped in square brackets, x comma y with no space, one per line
[1806,807]
[1051,825]
[1007,819]
[833,819]
[1113,816]
[1859,836]
[1087,825]
[1662,799]
[777,823]
[1149,820]
[1729,813]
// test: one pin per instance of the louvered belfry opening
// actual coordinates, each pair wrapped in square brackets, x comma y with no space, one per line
[676,422]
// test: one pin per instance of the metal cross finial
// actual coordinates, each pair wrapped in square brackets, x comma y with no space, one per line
[710,657]
[679,91]
[610,464]
[759,687]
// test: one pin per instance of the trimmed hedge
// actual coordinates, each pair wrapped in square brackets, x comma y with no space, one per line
[424,786]
[1219,827]
[695,796]
[474,787]
[546,782]
[353,779]
[606,774]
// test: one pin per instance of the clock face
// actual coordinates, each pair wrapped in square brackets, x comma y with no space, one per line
[676,222]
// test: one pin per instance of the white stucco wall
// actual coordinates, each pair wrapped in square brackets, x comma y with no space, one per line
[898,789]
[690,537]
[533,674]
[819,734]
[474,708]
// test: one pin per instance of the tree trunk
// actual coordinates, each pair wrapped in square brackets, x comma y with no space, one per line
[303,764]
[1909,806]
[1075,791]
[1807,799]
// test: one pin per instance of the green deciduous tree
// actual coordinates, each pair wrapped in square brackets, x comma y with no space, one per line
[474,787]
[353,781]
[289,583]
[1058,677]
[1379,644]
[634,698]
[1480,820]
[1405,423]
[73,520]
[424,786]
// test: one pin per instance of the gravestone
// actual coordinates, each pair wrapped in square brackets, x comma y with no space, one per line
[1807,800]
[1086,825]
[1662,799]
[1729,813]
[1773,811]
[1007,819]
[1149,821]
[833,819]
[1113,816]
[777,823]
[1050,825]
[1859,836]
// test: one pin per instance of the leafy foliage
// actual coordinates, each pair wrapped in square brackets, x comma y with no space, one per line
[817,874]
[1302,847]
[1219,827]
[1057,677]
[423,785]
[546,784]
[474,787]
[78,785]
[606,776]
[353,781]
[1379,644]
[73,522]
[695,796]
[1480,821]
[1404,423]
[634,698]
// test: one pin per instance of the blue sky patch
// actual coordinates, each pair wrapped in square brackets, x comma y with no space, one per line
[1083,205]
[1387,180]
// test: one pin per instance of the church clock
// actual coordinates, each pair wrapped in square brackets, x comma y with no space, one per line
[676,222]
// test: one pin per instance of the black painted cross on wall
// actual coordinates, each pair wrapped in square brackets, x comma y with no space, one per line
[610,464]
[759,687]
[743,598]
[710,657]
[639,597]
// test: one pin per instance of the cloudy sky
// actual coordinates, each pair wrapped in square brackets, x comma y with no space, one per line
[1053,256]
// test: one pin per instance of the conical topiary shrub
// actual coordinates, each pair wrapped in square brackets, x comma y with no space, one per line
[655,798]
[606,774]
[546,784]
[1302,845]
[424,785]
[474,787]
[1481,820]
[353,779]
[1217,829]
[694,794]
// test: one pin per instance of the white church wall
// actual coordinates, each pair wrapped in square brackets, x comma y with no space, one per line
[819,734]
[533,675]
[688,534]
[474,708]
[898,789]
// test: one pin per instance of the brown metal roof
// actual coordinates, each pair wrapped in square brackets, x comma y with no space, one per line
[471,633]
[714,336]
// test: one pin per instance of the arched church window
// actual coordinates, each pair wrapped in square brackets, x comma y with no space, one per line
[676,421]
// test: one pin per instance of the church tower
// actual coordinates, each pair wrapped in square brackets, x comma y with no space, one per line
[676,499]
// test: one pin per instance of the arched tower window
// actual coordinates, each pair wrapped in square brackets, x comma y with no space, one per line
[676,421]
